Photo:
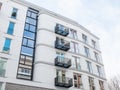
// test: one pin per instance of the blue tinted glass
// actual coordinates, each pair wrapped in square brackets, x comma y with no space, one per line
[24,41]
[34,15]
[31,21]
[27,26]
[32,28]
[14,13]
[11,28]
[29,34]
[7,44]
[27,51]
[30,43]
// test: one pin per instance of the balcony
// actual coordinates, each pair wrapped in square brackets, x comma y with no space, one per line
[61,30]
[63,82]
[2,72]
[62,62]
[62,45]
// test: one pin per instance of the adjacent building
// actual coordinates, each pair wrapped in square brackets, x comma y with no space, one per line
[42,50]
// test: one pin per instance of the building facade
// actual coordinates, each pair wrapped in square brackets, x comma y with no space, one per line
[42,50]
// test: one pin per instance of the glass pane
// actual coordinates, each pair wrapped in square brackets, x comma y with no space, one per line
[34,15]
[27,51]
[29,13]
[31,21]
[27,26]
[7,44]
[14,13]
[32,28]
[29,34]
[24,41]
[10,28]
[30,43]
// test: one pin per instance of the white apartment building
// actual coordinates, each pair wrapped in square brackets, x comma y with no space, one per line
[42,50]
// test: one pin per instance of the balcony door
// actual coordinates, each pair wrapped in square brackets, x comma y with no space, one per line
[61,76]
[61,56]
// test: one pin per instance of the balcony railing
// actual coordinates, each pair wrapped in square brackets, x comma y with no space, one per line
[2,72]
[62,81]
[62,62]
[60,29]
[62,45]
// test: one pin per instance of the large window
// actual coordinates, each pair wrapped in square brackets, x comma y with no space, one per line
[94,43]
[91,83]
[73,34]
[2,67]
[7,43]
[87,53]
[1,85]
[84,37]
[14,13]
[89,66]
[77,80]
[76,63]
[99,70]
[74,47]
[97,58]
[11,28]
[101,85]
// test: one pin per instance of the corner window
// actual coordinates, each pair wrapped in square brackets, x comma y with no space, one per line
[11,28]
[14,13]
[7,45]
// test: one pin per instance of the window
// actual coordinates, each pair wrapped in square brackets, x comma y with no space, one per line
[11,28]
[77,80]
[76,63]
[91,83]
[14,13]
[61,75]
[2,67]
[87,54]
[94,43]
[27,51]
[31,21]
[101,85]
[28,42]
[1,85]
[24,71]
[74,47]
[0,5]
[28,34]
[73,34]
[32,14]
[99,70]
[96,56]
[84,37]
[89,66]
[7,45]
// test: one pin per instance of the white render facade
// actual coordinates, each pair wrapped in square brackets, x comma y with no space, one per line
[41,50]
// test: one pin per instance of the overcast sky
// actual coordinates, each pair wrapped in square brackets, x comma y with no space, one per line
[101,17]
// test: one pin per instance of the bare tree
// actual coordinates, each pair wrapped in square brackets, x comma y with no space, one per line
[114,83]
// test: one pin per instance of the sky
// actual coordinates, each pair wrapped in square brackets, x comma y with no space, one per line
[101,17]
